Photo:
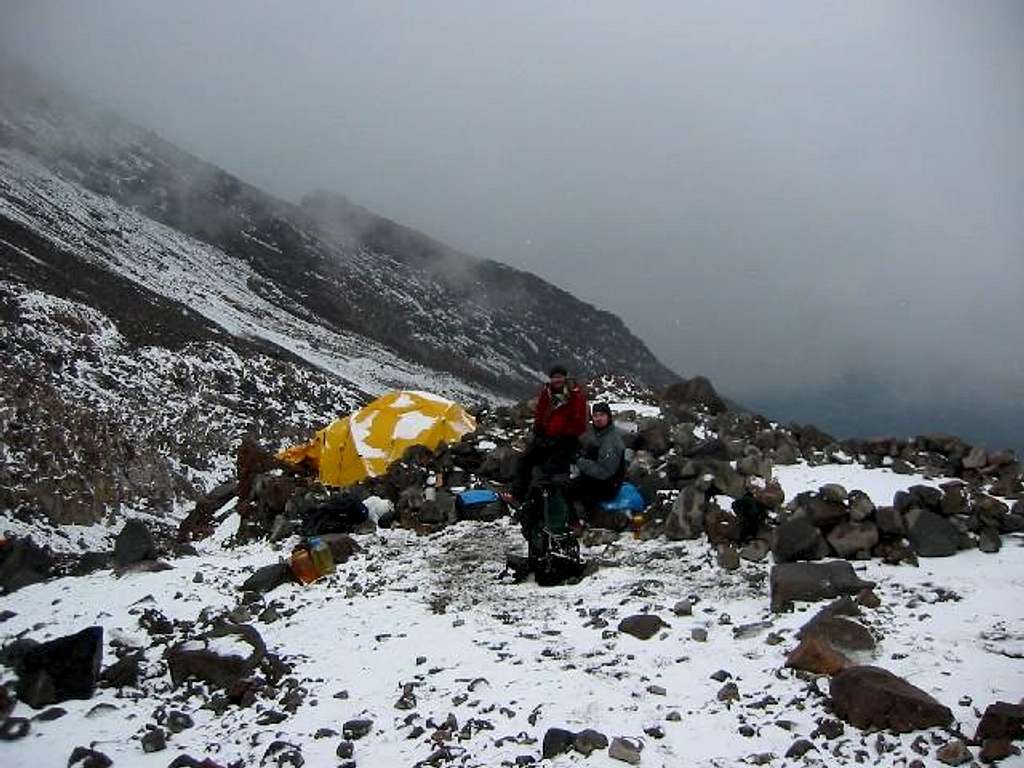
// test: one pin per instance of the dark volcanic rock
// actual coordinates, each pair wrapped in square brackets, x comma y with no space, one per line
[268,578]
[932,535]
[643,626]
[798,540]
[867,697]
[88,758]
[194,659]
[133,544]
[61,669]
[1001,720]
[22,562]
[853,539]
[557,741]
[815,654]
[813,582]
[123,673]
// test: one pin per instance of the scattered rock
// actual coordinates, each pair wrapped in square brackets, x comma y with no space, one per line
[812,582]
[557,741]
[625,750]
[683,608]
[643,626]
[345,750]
[867,696]
[124,673]
[268,578]
[82,757]
[154,741]
[728,692]
[133,544]
[178,721]
[728,557]
[815,654]
[14,729]
[954,753]
[868,599]
[354,730]
[799,748]
[589,740]
[699,634]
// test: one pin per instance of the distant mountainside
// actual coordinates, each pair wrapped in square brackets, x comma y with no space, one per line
[155,309]
[328,261]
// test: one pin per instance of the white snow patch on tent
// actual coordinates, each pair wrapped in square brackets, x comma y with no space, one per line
[359,428]
[412,424]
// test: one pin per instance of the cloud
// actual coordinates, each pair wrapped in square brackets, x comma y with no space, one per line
[776,196]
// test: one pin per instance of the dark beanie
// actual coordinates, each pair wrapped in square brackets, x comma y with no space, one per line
[558,369]
[601,408]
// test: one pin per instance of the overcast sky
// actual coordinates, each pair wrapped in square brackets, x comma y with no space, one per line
[773,194]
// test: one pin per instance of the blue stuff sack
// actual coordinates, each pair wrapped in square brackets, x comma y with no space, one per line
[629,499]
[476,496]
[479,504]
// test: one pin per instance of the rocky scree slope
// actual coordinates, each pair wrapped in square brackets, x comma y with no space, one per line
[674,648]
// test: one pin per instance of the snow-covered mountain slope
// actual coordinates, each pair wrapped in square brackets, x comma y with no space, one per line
[509,661]
[330,264]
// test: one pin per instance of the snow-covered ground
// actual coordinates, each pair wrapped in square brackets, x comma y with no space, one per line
[520,659]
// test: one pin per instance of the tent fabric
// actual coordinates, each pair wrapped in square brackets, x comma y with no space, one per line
[363,444]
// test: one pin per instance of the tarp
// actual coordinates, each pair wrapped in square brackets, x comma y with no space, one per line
[363,444]
[629,499]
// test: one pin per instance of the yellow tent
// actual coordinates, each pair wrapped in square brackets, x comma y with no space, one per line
[364,443]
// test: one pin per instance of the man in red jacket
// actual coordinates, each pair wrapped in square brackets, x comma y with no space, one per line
[558,421]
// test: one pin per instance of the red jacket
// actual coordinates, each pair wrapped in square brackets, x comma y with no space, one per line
[567,418]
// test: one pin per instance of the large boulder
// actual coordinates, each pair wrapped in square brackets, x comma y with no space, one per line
[501,464]
[976,458]
[796,540]
[871,697]
[932,535]
[852,540]
[61,669]
[728,480]
[23,562]
[813,582]
[686,518]
[861,506]
[1002,720]
[695,391]
[721,525]
[217,657]
[133,544]
[824,512]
